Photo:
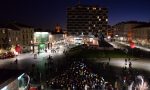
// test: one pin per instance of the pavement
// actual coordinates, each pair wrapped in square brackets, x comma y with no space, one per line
[137,63]
[143,64]
[26,60]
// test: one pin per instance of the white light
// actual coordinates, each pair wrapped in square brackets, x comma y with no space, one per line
[20,76]
[94,8]
[5,88]
[16,53]
[108,37]
[106,19]
[91,39]
[97,17]
[94,25]
[60,46]
[41,32]
[31,48]
[121,38]
[50,36]
[116,35]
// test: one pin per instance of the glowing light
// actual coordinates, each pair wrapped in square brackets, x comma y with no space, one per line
[42,46]
[108,37]
[121,38]
[5,88]
[132,45]
[16,53]
[41,33]
[94,8]
[106,20]
[20,76]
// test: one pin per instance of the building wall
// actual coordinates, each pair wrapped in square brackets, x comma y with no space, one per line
[86,19]
[124,30]
[27,36]
[11,37]
[141,36]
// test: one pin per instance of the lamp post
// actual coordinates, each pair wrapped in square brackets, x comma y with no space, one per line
[32,46]
[132,46]
[50,40]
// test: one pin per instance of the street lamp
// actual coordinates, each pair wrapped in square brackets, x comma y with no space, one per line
[50,40]
[132,45]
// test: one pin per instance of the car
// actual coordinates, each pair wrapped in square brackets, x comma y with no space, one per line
[7,55]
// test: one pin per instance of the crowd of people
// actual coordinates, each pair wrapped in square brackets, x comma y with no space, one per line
[80,77]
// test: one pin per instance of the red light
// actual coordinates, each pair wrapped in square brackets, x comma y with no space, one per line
[132,45]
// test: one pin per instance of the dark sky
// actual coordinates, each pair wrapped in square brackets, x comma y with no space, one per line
[47,13]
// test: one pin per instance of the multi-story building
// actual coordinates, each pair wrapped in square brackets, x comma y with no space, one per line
[9,35]
[123,31]
[26,33]
[82,19]
[13,34]
[141,35]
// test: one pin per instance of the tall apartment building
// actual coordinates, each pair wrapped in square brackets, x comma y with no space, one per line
[86,18]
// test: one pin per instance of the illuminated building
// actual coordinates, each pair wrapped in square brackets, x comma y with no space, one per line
[15,33]
[57,33]
[26,36]
[123,31]
[41,40]
[141,35]
[86,18]
[9,36]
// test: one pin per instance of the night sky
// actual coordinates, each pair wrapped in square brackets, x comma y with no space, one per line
[48,13]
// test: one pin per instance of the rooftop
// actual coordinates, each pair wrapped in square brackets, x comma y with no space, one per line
[9,26]
[132,22]
[143,25]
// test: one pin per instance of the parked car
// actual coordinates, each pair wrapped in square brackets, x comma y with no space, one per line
[7,55]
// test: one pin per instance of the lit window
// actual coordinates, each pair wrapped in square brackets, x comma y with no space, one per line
[16,38]
[94,8]
[3,31]
[9,39]
[94,25]
[88,8]
[99,8]
[106,20]
[89,27]
[99,19]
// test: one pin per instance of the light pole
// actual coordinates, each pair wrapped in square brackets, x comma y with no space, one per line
[132,46]
[50,40]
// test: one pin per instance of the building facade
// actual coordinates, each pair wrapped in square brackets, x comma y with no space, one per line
[136,32]
[26,36]
[82,19]
[141,35]
[15,34]
[124,31]
[9,36]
